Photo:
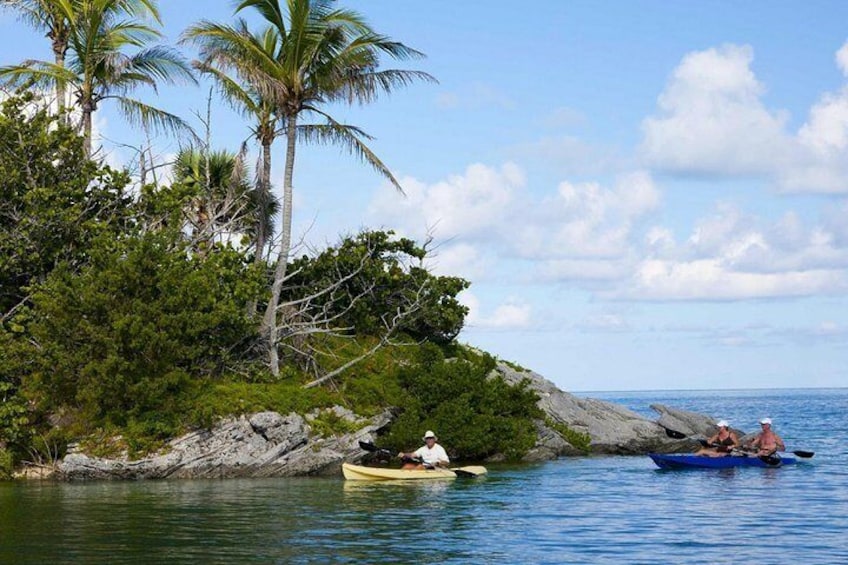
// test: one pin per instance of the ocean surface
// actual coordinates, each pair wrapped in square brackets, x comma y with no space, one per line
[574,510]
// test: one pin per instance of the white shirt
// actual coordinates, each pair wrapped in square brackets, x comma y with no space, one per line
[432,456]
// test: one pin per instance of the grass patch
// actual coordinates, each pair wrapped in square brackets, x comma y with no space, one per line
[220,400]
[579,440]
[327,423]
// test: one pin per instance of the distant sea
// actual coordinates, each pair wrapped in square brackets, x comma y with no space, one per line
[573,510]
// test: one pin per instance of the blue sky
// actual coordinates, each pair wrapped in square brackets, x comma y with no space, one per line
[644,194]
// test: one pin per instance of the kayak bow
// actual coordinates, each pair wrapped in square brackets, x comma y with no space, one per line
[689,461]
[361,473]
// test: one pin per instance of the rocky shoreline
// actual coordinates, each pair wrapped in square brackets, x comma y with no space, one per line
[270,444]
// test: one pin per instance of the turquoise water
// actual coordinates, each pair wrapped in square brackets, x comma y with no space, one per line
[579,510]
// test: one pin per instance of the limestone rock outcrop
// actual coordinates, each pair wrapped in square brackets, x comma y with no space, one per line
[261,445]
[613,429]
[270,444]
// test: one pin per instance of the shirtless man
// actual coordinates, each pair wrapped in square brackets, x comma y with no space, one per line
[767,442]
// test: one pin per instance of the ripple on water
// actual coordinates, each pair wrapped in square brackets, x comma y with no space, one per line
[583,510]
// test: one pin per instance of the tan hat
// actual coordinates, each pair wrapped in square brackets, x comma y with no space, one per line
[429,433]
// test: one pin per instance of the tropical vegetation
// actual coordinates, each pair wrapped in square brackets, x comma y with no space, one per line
[130,312]
[109,58]
[308,55]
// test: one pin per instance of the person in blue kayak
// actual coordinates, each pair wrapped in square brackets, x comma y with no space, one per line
[721,443]
[767,442]
[430,455]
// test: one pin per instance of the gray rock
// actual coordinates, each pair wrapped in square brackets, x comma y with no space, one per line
[692,425]
[265,444]
[613,429]
[268,444]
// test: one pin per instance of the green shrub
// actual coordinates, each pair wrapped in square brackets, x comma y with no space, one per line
[222,399]
[475,416]
[54,202]
[329,424]
[577,439]
[14,416]
[381,274]
[48,448]
[149,434]
[514,366]
[131,334]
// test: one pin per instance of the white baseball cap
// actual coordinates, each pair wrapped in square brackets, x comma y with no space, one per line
[766,421]
[429,433]
[723,424]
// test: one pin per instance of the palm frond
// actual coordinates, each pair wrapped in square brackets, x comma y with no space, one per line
[162,63]
[348,137]
[364,88]
[160,121]
[49,15]
[269,9]
[141,8]
[40,73]
[238,97]
[234,48]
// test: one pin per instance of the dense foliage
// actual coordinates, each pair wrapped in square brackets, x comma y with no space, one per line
[127,335]
[53,201]
[475,414]
[121,317]
[381,275]
[132,312]
[53,204]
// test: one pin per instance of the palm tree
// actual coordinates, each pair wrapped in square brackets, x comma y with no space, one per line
[225,202]
[313,56]
[223,48]
[98,68]
[55,17]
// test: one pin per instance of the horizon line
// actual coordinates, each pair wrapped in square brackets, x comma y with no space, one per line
[714,389]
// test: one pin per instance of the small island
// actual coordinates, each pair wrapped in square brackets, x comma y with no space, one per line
[169,325]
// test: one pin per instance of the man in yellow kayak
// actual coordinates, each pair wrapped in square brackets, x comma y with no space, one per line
[431,454]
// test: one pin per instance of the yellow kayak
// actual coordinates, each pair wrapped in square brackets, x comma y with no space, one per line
[361,473]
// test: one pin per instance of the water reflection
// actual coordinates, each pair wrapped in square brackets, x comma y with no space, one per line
[617,509]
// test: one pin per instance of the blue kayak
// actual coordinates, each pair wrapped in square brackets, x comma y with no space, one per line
[689,461]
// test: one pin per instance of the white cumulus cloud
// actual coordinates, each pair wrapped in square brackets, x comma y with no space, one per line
[512,314]
[586,220]
[730,255]
[467,205]
[712,120]
[709,279]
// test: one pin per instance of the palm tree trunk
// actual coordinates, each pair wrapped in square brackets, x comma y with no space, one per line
[87,110]
[264,199]
[269,322]
[262,213]
[60,86]
[59,42]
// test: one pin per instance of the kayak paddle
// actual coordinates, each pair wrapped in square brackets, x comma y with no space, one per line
[368,446]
